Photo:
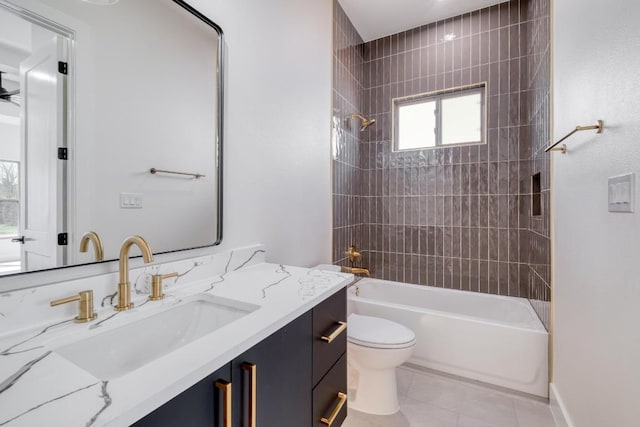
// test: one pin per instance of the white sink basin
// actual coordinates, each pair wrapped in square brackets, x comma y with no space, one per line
[114,353]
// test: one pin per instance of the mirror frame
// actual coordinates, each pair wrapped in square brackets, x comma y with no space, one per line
[218,157]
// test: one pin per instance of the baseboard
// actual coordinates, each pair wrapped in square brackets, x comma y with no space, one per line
[558,409]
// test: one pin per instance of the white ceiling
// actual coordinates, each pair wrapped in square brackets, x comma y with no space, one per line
[379,18]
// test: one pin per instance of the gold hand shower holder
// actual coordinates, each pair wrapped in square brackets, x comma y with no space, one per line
[563,148]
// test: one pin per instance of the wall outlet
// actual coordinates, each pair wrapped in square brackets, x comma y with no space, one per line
[622,193]
[131,200]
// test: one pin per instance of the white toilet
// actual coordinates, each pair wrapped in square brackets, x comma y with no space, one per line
[375,347]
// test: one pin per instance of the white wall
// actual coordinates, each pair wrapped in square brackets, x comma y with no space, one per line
[10,137]
[15,39]
[596,253]
[277,169]
[277,152]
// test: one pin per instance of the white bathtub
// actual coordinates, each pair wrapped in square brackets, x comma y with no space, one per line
[490,338]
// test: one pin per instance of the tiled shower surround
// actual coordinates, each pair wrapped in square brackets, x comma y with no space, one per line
[346,138]
[457,217]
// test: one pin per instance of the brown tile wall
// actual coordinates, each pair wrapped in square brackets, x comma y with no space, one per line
[535,74]
[346,139]
[456,217]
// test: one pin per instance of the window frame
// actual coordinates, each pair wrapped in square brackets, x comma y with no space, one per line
[438,97]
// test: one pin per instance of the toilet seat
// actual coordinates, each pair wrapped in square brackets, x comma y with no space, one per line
[375,332]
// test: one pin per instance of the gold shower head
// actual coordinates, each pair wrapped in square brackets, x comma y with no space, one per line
[365,123]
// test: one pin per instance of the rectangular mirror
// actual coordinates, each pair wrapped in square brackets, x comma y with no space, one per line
[111,123]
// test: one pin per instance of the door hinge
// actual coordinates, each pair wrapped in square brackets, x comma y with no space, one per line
[63,153]
[62,239]
[63,67]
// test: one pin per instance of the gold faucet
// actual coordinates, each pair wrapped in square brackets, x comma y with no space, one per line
[156,285]
[92,236]
[353,254]
[85,308]
[356,270]
[124,287]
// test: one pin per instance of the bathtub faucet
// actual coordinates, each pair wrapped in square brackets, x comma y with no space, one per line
[356,270]
[353,254]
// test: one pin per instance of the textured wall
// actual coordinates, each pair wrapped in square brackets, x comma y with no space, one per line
[596,290]
[459,217]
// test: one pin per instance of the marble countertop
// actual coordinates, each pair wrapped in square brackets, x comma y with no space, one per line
[40,387]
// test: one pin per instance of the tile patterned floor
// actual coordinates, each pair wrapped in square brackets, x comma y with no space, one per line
[428,400]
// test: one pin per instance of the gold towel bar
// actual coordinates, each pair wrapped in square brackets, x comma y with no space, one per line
[598,128]
[195,175]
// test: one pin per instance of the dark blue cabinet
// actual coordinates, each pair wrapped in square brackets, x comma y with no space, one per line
[200,405]
[330,361]
[272,380]
[292,378]
[270,386]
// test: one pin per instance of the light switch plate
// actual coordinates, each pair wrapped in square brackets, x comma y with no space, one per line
[622,193]
[131,200]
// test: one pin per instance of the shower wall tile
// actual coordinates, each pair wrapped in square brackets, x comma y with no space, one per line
[349,155]
[535,131]
[457,217]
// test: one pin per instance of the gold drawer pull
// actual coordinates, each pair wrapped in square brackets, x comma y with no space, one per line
[342,326]
[342,398]
[225,387]
[251,369]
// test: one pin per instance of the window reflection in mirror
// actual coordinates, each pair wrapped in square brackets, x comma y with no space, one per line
[9,208]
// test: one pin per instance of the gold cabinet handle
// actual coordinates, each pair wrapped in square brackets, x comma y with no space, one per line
[342,326]
[251,369]
[225,387]
[156,285]
[85,309]
[342,398]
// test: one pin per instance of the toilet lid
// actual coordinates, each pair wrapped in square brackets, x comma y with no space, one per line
[378,333]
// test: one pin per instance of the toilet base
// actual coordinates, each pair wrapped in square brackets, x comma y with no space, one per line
[372,378]
[375,393]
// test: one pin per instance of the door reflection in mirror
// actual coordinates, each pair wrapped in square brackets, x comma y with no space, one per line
[89,108]
[32,127]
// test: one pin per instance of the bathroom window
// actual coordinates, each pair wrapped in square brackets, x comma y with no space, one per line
[446,118]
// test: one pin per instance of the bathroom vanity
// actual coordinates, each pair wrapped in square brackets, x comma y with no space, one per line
[235,340]
[277,357]
[292,378]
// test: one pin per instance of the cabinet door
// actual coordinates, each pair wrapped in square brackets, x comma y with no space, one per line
[330,396]
[201,405]
[281,367]
[328,317]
